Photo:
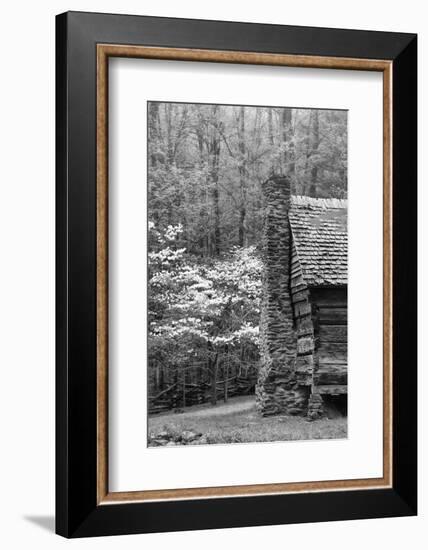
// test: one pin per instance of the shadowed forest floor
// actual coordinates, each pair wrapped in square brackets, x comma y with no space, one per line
[237,421]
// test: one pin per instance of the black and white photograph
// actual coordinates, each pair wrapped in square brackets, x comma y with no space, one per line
[247,273]
[213,275]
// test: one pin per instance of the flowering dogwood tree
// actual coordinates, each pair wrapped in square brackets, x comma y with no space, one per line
[201,311]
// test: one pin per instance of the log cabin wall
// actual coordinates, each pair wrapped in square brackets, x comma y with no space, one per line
[330,308]
[321,327]
[319,290]
[304,325]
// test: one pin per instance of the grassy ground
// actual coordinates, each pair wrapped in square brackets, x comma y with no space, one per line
[237,421]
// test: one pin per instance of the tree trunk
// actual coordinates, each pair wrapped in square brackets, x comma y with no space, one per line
[226,373]
[184,388]
[243,176]
[154,122]
[214,175]
[155,137]
[203,235]
[270,127]
[213,369]
[271,138]
[315,145]
[288,153]
[169,132]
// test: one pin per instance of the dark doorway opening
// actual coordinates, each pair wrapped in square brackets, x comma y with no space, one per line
[336,405]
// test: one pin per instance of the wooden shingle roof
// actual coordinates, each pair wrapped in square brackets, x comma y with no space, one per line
[320,233]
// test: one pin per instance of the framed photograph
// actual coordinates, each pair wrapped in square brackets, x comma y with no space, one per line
[236,274]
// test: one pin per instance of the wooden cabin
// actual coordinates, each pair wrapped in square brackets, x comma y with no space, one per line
[318,287]
[303,328]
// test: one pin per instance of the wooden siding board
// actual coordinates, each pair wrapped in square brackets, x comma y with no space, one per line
[330,374]
[329,352]
[333,333]
[333,316]
[330,324]
[335,389]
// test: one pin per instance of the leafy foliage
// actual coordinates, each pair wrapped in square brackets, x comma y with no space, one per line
[200,306]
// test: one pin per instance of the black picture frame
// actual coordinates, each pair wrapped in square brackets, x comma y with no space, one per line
[77,511]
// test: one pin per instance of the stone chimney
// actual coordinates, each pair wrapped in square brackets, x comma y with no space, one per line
[277,391]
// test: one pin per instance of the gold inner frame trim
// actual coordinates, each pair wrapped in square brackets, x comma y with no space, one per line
[104,51]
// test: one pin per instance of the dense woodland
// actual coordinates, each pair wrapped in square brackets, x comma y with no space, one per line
[206,164]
